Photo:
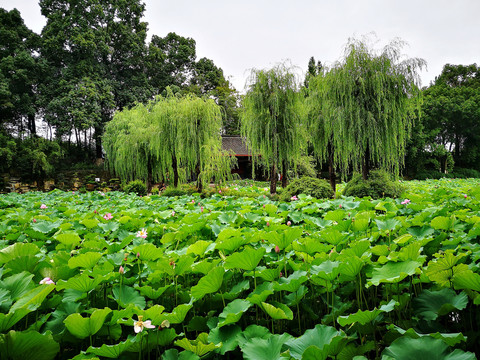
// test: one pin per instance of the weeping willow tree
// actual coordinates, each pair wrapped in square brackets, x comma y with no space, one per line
[361,108]
[271,120]
[171,139]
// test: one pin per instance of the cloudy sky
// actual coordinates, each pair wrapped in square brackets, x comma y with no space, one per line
[244,34]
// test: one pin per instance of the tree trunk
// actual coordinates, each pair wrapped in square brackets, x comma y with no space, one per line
[331,169]
[284,174]
[199,182]
[175,171]
[98,142]
[366,164]
[149,176]
[273,180]
[31,125]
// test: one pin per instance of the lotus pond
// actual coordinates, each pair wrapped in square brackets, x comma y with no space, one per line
[97,276]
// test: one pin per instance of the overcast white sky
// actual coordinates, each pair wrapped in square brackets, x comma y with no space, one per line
[244,34]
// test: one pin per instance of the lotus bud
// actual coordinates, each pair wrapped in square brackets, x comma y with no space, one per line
[121,270]
[277,249]
[289,223]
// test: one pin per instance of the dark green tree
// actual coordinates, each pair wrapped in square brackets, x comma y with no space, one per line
[360,109]
[20,69]
[95,51]
[271,120]
[452,113]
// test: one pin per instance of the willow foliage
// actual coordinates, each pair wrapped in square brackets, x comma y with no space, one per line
[362,107]
[168,137]
[271,118]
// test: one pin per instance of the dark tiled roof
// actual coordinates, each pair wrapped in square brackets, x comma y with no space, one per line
[237,144]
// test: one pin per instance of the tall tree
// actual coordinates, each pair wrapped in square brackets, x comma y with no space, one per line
[20,69]
[271,119]
[173,138]
[360,108]
[452,112]
[95,51]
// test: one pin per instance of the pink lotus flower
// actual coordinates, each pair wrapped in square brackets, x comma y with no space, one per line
[219,191]
[268,224]
[121,270]
[340,206]
[173,212]
[277,249]
[43,206]
[46,281]
[289,223]
[108,216]
[193,201]
[465,196]
[34,220]
[139,325]
[405,202]
[142,233]
[236,188]
[294,197]
[201,208]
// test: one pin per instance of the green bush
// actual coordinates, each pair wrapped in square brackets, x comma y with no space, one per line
[173,191]
[307,185]
[137,187]
[465,173]
[378,185]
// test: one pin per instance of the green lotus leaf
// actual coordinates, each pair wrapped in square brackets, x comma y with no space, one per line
[252,331]
[322,338]
[466,280]
[111,351]
[24,345]
[388,225]
[199,346]
[199,247]
[421,232]
[17,285]
[178,314]
[271,209]
[173,354]
[443,223]
[152,293]
[208,284]
[393,272]
[152,339]
[204,266]
[110,226]
[155,314]
[23,263]
[68,239]
[332,236]
[402,239]
[294,298]
[89,223]
[227,217]
[310,246]
[125,295]
[443,270]
[335,215]
[261,293]
[81,327]
[83,282]
[85,357]
[86,261]
[265,349]
[46,227]
[450,339]
[432,304]
[278,311]
[327,270]
[292,283]
[18,250]
[250,216]
[364,317]
[226,337]
[233,312]
[183,265]
[360,225]
[248,259]
[406,348]
[148,252]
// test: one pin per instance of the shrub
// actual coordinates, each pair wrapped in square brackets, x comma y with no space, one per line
[307,185]
[465,173]
[173,191]
[137,187]
[378,185]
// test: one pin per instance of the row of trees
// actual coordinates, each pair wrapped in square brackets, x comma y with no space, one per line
[91,60]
